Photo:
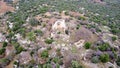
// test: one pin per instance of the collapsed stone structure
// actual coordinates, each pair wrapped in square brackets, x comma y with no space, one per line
[59,26]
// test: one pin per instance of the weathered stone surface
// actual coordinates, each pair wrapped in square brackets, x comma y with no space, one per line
[24,57]
[9,50]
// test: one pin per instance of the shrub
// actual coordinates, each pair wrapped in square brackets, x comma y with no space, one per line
[49,41]
[31,53]
[39,65]
[44,54]
[75,64]
[31,36]
[4,61]
[21,31]
[19,50]
[66,13]
[16,63]
[47,66]
[49,48]
[55,60]
[67,32]
[104,58]
[104,47]
[16,45]
[118,61]
[38,32]
[78,26]
[95,59]
[60,62]
[34,22]
[5,44]
[87,45]
[57,65]
[11,34]
[43,9]
[2,50]
[81,18]
[114,31]
[114,38]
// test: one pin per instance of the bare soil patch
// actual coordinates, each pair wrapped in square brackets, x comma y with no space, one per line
[4,7]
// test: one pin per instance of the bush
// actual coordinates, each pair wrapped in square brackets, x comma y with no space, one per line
[4,61]
[43,9]
[95,59]
[21,31]
[114,38]
[81,18]
[31,36]
[104,47]
[75,64]
[66,13]
[78,26]
[16,63]
[57,65]
[2,50]
[34,22]
[47,66]
[104,58]
[39,32]
[44,54]
[49,41]
[5,44]
[19,50]
[55,60]
[118,61]
[87,45]
[114,31]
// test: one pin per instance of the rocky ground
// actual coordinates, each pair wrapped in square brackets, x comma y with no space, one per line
[55,39]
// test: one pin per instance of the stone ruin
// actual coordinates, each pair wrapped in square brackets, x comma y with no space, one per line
[59,26]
